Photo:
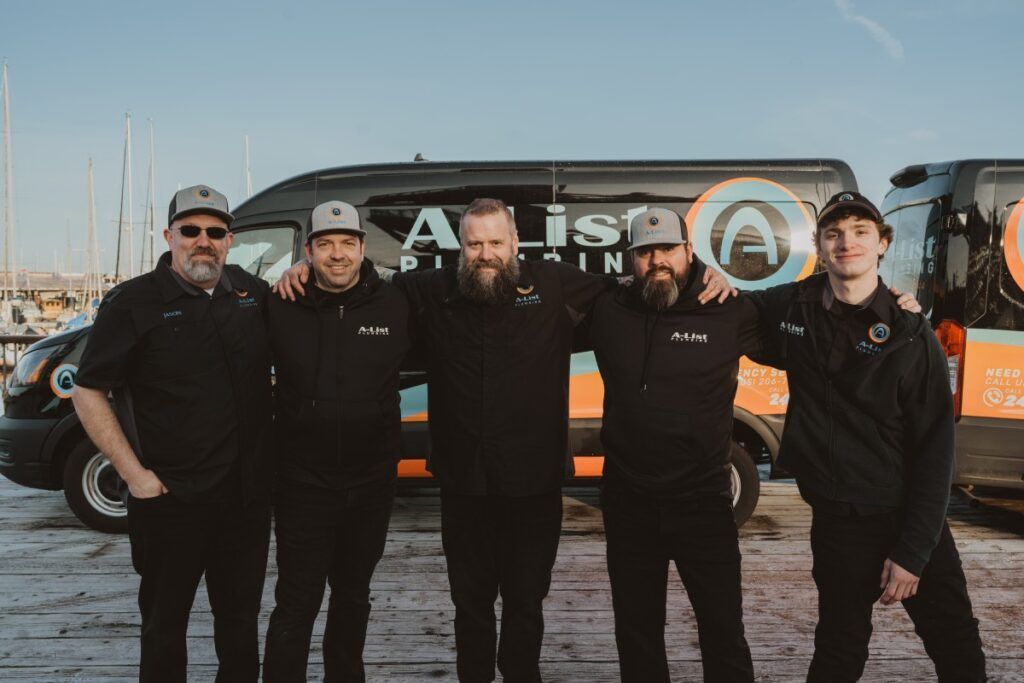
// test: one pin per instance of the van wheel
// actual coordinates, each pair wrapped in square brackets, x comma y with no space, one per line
[746,486]
[91,488]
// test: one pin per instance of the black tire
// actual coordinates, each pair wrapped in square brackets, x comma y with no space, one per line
[91,487]
[746,485]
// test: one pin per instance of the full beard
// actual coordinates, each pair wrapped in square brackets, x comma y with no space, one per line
[481,289]
[202,271]
[661,293]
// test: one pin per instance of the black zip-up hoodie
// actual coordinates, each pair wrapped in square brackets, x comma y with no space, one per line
[669,383]
[337,367]
[878,432]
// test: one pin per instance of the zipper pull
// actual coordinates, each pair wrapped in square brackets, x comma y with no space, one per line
[341,312]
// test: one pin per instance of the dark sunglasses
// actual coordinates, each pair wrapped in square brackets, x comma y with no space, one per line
[192,231]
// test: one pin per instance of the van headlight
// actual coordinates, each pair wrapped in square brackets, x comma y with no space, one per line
[29,369]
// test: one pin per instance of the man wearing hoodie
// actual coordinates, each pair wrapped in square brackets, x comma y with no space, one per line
[669,368]
[337,351]
[869,438]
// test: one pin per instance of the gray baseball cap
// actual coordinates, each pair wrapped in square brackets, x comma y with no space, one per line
[332,217]
[657,226]
[199,199]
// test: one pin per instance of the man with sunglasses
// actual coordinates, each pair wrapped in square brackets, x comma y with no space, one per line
[184,351]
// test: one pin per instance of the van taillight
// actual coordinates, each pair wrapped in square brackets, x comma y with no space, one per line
[953,338]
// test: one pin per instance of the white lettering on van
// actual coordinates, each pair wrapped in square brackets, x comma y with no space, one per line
[432,226]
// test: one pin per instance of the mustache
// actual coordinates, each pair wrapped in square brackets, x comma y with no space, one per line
[485,263]
[659,269]
[209,251]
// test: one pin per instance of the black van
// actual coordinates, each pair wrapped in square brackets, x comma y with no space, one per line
[751,219]
[958,245]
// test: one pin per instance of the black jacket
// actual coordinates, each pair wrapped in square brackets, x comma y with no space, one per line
[879,431]
[669,383]
[499,376]
[337,367]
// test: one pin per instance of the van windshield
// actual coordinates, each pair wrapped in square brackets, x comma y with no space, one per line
[909,263]
[264,252]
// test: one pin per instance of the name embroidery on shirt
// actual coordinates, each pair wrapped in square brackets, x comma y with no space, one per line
[796,330]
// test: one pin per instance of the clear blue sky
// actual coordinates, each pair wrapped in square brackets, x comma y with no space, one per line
[880,84]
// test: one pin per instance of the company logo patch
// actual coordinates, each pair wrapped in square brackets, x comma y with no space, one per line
[241,293]
[373,331]
[846,197]
[869,349]
[879,333]
[790,328]
[754,230]
[336,211]
[172,314]
[525,290]
[526,299]
[654,220]
[689,337]
[62,380]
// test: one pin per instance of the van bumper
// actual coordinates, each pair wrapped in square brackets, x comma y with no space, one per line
[990,452]
[21,450]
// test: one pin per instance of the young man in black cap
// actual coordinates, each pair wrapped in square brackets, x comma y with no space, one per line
[869,438]
[669,368]
[184,351]
[337,352]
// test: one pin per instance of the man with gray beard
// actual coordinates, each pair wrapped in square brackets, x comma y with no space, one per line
[184,351]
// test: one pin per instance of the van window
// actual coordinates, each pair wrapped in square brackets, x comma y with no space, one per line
[1010,306]
[264,252]
[909,263]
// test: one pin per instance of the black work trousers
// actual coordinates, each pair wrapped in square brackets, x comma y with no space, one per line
[643,536]
[849,552]
[173,545]
[325,537]
[506,545]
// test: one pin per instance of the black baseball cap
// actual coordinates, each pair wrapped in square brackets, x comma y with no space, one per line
[849,201]
[199,199]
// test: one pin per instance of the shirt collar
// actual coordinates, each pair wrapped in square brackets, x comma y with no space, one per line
[173,285]
[881,305]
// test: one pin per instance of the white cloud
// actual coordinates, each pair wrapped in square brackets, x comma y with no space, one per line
[880,34]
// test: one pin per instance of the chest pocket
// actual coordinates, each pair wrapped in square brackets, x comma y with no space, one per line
[178,345]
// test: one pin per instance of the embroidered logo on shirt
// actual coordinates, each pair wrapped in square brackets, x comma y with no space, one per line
[879,333]
[525,290]
[797,330]
[689,337]
[172,314]
[373,331]
[245,301]
[868,349]
[526,299]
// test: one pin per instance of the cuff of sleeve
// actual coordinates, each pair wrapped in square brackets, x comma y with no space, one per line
[910,560]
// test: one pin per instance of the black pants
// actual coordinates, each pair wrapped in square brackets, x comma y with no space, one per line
[700,537]
[506,545]
[325,536]
[173,545]
[849,552]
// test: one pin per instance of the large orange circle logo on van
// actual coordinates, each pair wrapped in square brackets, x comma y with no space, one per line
[1013,244]
[756,231]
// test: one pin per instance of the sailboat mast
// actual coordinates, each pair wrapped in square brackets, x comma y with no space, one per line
[10,261]
[148,261]
[130,227]
[248,169]
[92,267]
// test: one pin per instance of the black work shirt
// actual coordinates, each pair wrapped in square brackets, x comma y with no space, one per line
[499,376]
[190,374]
[845,337]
